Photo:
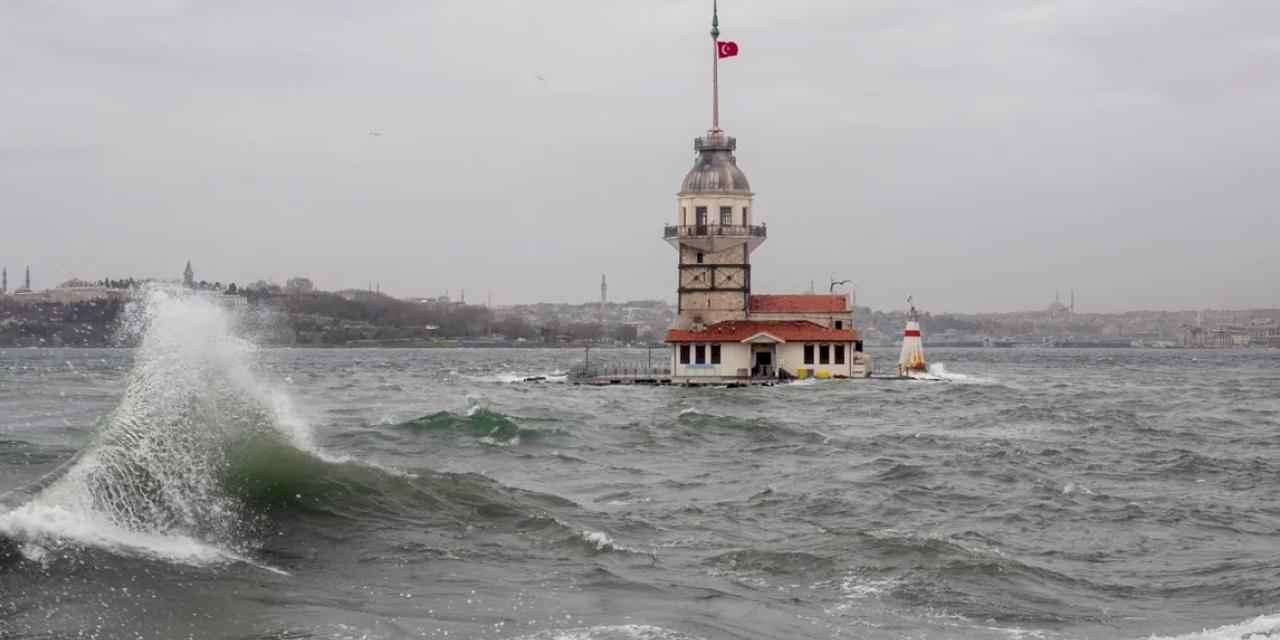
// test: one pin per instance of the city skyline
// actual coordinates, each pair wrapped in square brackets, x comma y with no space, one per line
[1054,304]
[976,158]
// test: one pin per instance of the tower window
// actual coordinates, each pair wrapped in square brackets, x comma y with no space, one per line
[700,354]
[839,324]
[700,216]
[808,354]
[726,216]
[715,354]
[745,218]
[824,354]
[839,354]
[684,215]
[699,257]
[684,354]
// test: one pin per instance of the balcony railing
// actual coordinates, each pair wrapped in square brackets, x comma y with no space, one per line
[707,230]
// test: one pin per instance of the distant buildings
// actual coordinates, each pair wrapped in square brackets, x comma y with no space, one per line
[1257,333]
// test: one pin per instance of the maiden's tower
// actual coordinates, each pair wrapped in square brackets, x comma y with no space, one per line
[723,331]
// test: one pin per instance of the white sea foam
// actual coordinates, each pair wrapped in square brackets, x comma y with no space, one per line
[1265,627]
[610,632]
[510,377]
[150,482]
[601,540]
[938,370]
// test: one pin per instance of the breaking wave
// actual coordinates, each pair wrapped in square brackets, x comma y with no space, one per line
[172,472]
[514,378]
[151,481]
[939,371]
[1266,627]
[201,448]
[610,632]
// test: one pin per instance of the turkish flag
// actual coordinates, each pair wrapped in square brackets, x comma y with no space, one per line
[726,49]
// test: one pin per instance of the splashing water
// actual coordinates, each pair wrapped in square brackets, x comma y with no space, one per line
[938,371]
[151,481]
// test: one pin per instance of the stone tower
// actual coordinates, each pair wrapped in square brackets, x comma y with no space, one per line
[189,275]
[714,233]
[4,281]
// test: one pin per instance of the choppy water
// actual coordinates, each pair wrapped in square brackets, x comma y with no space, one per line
[199,487]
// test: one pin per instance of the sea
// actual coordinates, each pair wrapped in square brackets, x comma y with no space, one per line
[200,486]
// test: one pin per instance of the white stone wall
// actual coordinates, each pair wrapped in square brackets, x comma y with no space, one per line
[791,358]
[733,357]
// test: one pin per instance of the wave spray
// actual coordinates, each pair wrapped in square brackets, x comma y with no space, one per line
[152,481]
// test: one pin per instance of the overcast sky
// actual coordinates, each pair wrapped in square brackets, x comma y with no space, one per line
[978,155]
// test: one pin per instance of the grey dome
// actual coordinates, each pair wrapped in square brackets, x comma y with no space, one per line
[715,170]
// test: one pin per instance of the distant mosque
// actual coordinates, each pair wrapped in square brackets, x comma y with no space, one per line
[723,332]
[26,284]
[1058,310]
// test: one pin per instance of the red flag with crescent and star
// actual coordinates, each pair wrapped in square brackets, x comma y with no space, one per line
[726,49]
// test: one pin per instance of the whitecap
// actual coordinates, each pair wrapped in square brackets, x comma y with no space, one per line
[610,632]
[1264,627]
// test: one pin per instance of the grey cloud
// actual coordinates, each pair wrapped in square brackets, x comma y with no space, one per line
[978,155]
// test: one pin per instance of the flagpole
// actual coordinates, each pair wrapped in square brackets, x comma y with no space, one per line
[715,67]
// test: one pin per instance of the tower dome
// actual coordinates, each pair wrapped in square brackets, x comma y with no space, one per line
[716,169]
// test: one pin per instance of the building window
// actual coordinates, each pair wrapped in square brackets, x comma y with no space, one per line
[684,215]
[839,324]
[700,217]
[699,257]
[726,216]
[745,219]
[700,354]
[684,354]
[839,354]
[715,354]
[824,354]
[808,354]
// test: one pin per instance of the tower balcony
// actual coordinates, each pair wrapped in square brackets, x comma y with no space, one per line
[714,237]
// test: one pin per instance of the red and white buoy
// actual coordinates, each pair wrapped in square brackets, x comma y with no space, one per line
[912,363]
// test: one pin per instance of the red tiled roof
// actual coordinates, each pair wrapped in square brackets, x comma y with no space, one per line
[799,303]
[784,330]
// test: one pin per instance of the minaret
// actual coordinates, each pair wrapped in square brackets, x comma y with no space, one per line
[4,281]
[27,285]
[604,296]
[713,233]
[189,275]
